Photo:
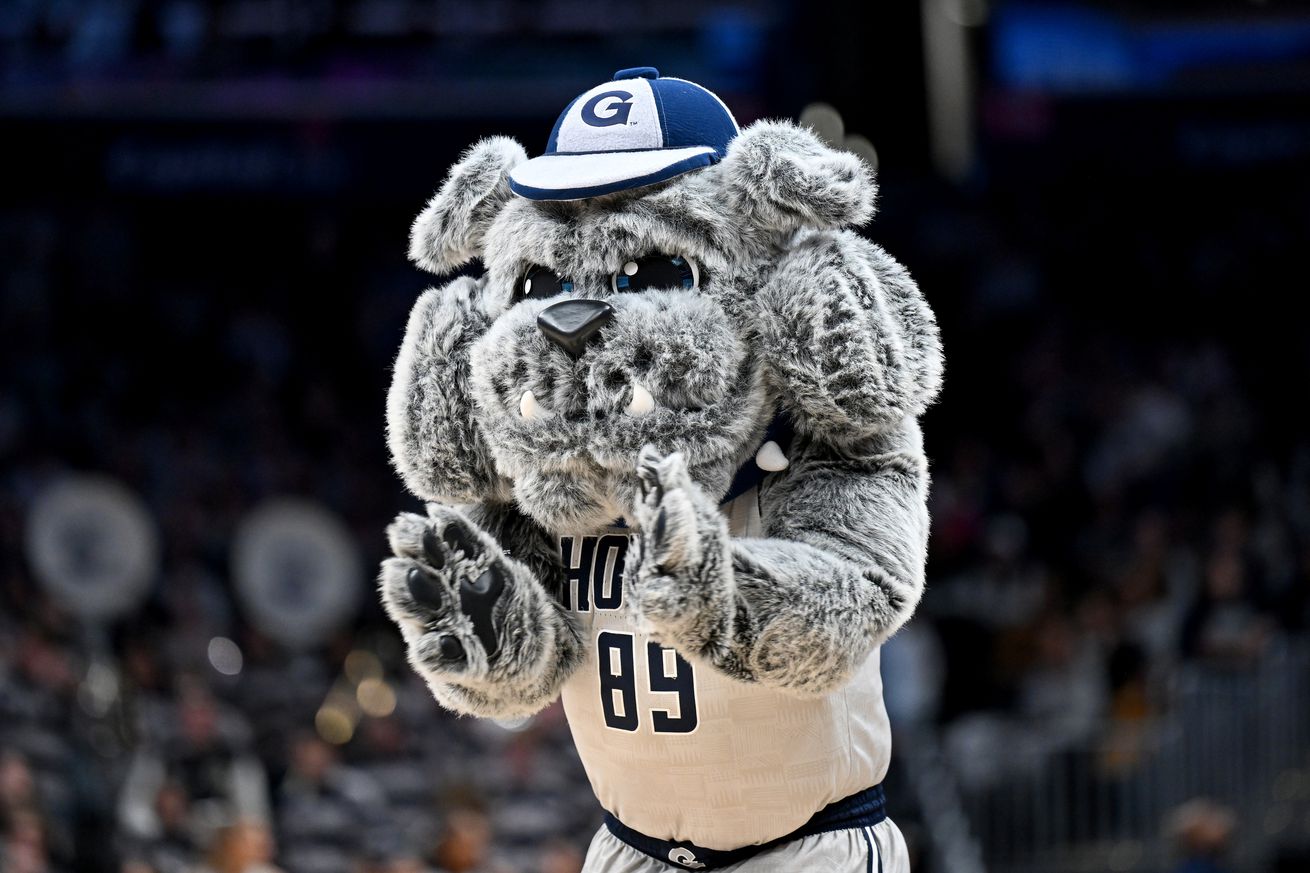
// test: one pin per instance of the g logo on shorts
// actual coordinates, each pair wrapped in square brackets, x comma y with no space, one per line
[685,858]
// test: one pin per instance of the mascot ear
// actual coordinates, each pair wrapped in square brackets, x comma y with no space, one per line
[781,177]
[449,232]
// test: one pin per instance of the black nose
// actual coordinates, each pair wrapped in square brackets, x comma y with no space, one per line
[570,324]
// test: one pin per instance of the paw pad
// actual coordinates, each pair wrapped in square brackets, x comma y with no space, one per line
[424,590]
[451,649]
[477,599]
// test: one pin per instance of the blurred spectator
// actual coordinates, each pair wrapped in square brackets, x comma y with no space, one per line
[558,856]
[1226,626]
[329,814]
[37,710]
[465,845]
[912,676]
[390,755]
[23,847]
[243,847]
[17,787]
[1153,587]
[195,773]
[405,864]
[173,847]
[1063,694]
[1202,832]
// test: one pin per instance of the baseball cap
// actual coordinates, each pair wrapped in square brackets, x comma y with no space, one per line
[637,129]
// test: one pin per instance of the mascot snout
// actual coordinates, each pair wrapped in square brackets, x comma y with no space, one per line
[570,324]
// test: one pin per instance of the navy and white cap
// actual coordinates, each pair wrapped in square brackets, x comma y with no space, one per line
[637,129]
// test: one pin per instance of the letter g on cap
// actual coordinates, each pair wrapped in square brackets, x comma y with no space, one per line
[607,108]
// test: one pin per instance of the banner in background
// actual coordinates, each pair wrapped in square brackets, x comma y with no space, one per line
[93,546]
[296,571]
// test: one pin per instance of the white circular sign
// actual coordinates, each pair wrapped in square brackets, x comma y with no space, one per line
[93,546]
[297,572]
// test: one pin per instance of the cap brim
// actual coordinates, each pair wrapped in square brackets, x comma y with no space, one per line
[575,176]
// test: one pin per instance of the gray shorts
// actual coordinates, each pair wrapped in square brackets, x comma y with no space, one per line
[879,848]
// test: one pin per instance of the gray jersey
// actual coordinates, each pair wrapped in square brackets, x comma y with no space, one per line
[680,751]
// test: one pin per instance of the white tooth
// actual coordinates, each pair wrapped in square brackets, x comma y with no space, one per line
[642,403]
[770,458]
[529,407]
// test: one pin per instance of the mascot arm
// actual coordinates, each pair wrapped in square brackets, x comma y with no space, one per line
[435,445]
[840,570]
[468,591]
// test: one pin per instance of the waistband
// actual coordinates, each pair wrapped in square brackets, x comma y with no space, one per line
[862,809]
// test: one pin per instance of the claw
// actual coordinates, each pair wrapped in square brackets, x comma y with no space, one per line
[432,549]
[648,476]
[459,539]
[648,463]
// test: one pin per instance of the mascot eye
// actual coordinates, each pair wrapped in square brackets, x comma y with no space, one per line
[657,271]
[539,283]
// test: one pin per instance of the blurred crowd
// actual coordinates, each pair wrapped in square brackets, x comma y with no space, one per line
[1120,488]
[1114,539]
[183,771]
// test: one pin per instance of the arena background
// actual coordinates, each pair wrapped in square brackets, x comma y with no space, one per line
[202,238]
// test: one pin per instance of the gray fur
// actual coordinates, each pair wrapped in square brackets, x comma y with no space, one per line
[573,471]
[854,345]
[781,176]
[449,232]
[792,312]
[434,441]
[840,571]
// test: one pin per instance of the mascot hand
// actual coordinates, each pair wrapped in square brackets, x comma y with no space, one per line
[466,610]
[681,582]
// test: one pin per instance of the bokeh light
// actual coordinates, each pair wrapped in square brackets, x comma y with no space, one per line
[376,698]
[825,121]
[225,656]
[334,725]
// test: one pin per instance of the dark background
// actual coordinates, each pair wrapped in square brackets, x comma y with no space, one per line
[202,237]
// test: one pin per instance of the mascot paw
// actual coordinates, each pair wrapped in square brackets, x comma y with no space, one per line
[446,588]
[683,574]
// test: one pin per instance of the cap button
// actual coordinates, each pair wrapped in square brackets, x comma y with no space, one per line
[637,73]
